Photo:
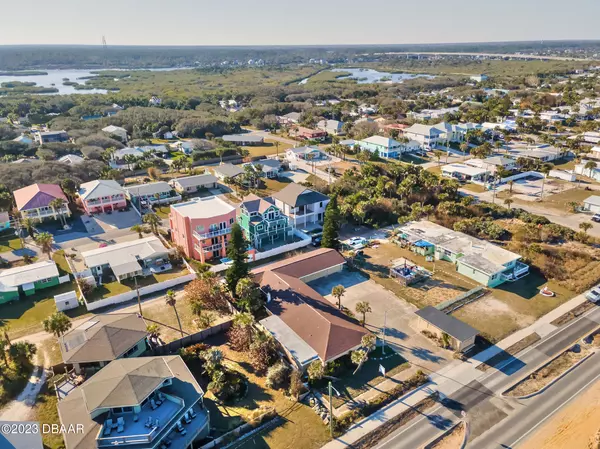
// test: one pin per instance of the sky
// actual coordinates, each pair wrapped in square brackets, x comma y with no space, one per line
[285,22]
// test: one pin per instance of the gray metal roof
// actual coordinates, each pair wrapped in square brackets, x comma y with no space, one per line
[229,170]
[446,323]
[243,138]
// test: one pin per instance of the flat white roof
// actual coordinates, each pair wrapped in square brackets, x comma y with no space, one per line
[464,169]
[207,207]
[594,200]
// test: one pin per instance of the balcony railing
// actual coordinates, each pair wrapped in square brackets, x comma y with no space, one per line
[519,271]
[211,234]
[208,249]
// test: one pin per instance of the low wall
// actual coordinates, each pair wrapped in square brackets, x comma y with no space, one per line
[149,289]
[521,176]
[306,240]
[192,339]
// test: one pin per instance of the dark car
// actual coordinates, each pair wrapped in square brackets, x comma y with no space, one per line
[596,218]
[316,241]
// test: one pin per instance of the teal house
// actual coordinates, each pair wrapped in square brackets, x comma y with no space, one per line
[488,264]
[25,281]
[263,223]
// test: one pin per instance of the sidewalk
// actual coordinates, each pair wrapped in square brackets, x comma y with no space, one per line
[451,378]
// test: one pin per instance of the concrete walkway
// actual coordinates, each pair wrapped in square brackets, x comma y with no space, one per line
[451,378]
[20,409]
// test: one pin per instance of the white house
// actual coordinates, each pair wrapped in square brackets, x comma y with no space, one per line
[427,136]
[593,173]
[121,133]
[479,78]
[332,127]
[592,203]
[71,159]
[301,205]
[464,172]
[305,153]
[492,163]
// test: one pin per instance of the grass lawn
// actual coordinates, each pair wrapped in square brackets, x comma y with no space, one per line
[61,262]
[351,385]
[164,314]
[51,351]
[512,306]
[269,147]
[116,288]
[303,429]
[8,242]
[45,412]
[437,169]
[445,284]
[25,315]
[561,200]
[162,211]
[475,188]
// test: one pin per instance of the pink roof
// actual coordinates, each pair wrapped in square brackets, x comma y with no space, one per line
[37,195]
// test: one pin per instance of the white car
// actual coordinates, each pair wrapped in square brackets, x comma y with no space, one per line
[357,242]
[593,295]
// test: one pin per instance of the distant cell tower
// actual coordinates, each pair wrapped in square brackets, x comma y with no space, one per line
[105,50]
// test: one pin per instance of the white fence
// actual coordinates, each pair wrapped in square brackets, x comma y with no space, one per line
[521,176]
[128,296]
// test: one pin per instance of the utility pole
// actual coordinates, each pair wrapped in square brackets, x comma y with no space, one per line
[330,412]
[138,295]
[384,326]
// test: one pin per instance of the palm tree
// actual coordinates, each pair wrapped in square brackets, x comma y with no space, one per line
[172,301]
[585,227]
[508,202]
[220,152]
[590,166]
[57,205]
[29,226]
[510,183]
[337,292]
[137,228]
[438,155]
[44,240]
[363,307]
[153,221]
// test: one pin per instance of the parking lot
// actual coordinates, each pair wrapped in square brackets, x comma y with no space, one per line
[109,222]
[387,308]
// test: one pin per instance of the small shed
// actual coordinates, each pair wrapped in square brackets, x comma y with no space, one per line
[66,301]
[462,335]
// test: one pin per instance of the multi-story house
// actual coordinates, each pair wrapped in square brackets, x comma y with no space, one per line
[301,205]
[102,339]
[102,195]
[428,136]
[136,403]
[141,257]
[263,223]
[387,147]
[37,202]
[202,227]
[145,195]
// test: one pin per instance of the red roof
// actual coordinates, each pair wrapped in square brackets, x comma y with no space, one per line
[37,195]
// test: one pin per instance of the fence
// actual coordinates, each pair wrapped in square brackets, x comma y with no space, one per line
[521,176]
[176,345]
[147,290]
[463,299]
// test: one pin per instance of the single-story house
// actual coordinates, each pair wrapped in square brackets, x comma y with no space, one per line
[333,127]
[145,195]
[482,261]
[51,137]
[28,279]
[492,163]
[462,336]
[593,173]
[225,171]
[191,184]
[102,339]
[465,173]
[244,139]
[310,153]
[71,159]
[592,203]
[112,130]
[142,257]
[269,168]
[307,326]
[290,118]
[304,133]
[542,153]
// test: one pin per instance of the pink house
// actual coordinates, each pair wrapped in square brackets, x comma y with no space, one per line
[202,227]
[102,196]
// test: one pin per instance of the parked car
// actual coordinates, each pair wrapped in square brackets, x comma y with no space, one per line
[316,241]
[593,295]
[596,218]
[357,242]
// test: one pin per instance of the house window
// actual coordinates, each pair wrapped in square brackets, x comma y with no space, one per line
[259,227]
[447,253]
[231,220]
[200,228]
[321,204]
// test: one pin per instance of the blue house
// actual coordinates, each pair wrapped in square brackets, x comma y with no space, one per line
[387,147]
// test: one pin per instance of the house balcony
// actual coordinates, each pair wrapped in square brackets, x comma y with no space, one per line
[211,234]
[209,249]
[519,271]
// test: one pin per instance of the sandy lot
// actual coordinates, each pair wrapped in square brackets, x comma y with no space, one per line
[451,441]
[573,427]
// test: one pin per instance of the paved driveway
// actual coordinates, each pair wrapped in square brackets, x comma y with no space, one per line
[117,220]
[410,344]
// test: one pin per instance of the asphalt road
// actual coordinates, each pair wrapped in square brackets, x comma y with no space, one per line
[494,420]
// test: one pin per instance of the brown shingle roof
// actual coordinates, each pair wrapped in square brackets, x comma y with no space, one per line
[102,338]
[323,327]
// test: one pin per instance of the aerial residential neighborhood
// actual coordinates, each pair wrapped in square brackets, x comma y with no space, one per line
[229,232]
